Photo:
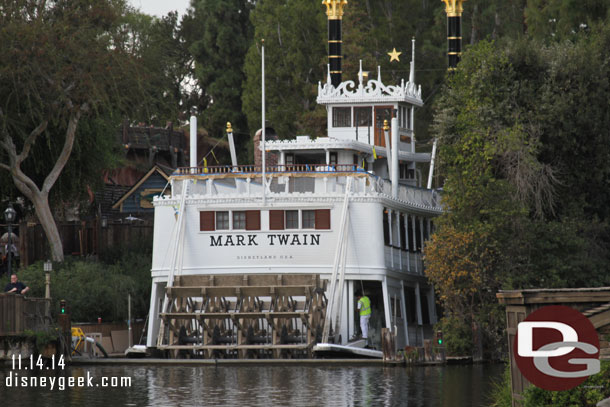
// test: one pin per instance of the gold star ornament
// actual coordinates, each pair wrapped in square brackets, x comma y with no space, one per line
[394,55]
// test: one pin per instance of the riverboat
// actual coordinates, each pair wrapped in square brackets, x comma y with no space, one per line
[266,260]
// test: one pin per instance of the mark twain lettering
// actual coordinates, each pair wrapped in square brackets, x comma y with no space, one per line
[290,239]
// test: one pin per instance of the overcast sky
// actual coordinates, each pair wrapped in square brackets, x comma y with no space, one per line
[161,7]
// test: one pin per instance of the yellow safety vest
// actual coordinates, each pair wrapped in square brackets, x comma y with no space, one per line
[365,306]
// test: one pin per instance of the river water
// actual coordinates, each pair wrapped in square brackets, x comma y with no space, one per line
[255,385]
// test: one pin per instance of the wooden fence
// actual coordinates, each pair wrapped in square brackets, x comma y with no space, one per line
[85,238]
[18,314]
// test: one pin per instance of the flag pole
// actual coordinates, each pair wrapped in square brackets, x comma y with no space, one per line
[263,117]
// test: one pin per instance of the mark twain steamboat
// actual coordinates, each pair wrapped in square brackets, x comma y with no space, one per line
[265,260]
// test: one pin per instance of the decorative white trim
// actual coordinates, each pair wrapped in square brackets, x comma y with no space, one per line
[325,143]
[298,199]
[374,91]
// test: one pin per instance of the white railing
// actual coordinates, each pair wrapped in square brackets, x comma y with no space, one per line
[407,262]
[313,179]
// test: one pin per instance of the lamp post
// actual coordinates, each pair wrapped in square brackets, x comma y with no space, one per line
[48,267]
[9,216]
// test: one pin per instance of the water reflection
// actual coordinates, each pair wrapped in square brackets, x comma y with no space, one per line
[262,385]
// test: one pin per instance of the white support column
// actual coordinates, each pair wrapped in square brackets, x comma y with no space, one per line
[282,157]
[391,241]
[420,327]
[407,243]
[413,221]
[345,315]
[394,168]
[157,294]
[412,129]
[327,157]
[421,233]
[351,331]
[386,303]
[403,310]
[399,242]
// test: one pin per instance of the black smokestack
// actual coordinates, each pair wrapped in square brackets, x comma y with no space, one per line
[454,32]
[334,11]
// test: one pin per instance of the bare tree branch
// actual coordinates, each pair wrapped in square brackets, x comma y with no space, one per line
[66,149]
[29,141]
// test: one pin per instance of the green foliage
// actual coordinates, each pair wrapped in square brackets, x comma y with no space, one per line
[588,394]
[559,19]
[95,289]
[221,33]
[295,38]
[457,336]
[501,394]
[161,46]
[526,172]
[43,338]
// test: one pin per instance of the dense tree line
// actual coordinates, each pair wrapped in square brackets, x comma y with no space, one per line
[523,128]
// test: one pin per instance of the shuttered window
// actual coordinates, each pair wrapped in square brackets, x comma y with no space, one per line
[276,220]
[206,221]
[322,218]
[253,220]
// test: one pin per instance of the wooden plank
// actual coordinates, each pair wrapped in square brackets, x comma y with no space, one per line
[234,347]
[601,319]
[240,291]
[226,315]
[256,280]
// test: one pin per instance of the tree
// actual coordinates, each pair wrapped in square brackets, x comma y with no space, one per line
[295,60]
[523,146]
[63,61]
[220,36]
[161,45]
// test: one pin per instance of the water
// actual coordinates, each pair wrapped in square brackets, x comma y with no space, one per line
[262,385]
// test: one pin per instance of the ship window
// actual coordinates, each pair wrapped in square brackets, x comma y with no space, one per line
[309,219]
[206,221]
[425,314]
[396,308]
[342,116]
[410,305]
[253,220]
[292,219]
[386,228]
[403,237]
[410,232]
[322,218]
[239,220]
[222,220]
[363,116]
[276,220]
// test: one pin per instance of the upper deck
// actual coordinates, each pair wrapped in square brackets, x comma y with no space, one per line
[297,181]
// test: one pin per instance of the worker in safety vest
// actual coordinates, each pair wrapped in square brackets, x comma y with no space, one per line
[364,306]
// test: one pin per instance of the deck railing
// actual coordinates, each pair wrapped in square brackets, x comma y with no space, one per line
[255,169]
